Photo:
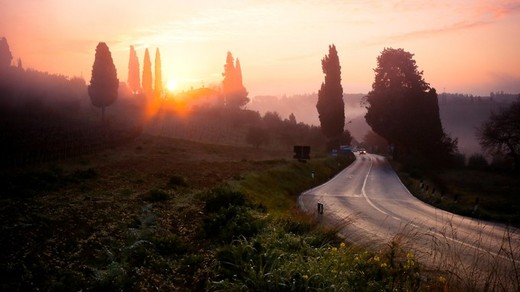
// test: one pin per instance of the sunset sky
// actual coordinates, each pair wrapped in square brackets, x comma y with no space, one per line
[466,46]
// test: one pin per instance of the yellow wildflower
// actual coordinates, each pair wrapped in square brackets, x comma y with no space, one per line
[442,279]
[342,245]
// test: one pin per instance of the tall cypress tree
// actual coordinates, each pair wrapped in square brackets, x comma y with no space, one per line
[158,74]
[5,54]
[234,91]
[147,75]
[330,106]
[104,83]
[134,79]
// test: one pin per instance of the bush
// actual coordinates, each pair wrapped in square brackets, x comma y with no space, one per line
[169,244]
[223,197]
[231,222]
[154,196]
[177,181]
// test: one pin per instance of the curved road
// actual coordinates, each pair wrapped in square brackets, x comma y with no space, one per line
[368,204]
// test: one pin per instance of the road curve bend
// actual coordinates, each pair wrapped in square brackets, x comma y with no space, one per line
[368,204]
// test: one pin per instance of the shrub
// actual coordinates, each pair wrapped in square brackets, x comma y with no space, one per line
[155,195]
[223,197]
[169,244]
[231,222]
[177,181]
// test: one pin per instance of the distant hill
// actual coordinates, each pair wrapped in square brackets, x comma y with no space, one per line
[461,114]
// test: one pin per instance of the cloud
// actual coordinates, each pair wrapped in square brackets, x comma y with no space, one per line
[464,25]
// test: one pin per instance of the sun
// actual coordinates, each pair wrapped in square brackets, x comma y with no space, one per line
[171,85]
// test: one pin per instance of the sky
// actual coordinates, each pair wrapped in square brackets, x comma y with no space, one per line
[463,46]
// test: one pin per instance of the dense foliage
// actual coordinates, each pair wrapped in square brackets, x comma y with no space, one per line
[403,108]
[500,134]
[104,83]
[331,108]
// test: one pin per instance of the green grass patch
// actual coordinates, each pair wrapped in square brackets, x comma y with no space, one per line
[278,188]
[475,193]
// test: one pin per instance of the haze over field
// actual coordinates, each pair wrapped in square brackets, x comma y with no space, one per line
[462,46]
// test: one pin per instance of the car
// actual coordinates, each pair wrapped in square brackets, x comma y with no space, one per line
[362,151]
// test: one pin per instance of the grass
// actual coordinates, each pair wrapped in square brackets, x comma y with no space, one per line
[278,188]
[480,194]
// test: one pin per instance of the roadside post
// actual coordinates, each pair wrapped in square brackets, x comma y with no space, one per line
[320,209]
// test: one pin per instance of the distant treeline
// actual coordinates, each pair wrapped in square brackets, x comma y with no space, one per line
[45,117]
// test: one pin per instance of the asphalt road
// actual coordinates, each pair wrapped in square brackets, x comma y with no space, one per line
[368,204]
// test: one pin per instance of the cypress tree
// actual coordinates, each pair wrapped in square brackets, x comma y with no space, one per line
[234,91]
[134,79]
[330,106]
[104,83]
[5,54]
[147,74]
[158,74]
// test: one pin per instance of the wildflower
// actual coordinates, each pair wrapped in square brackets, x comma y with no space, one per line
[442,279]
[383,265]
[356,259]
[334,249]
[376,258]
[342,245]
[305,277]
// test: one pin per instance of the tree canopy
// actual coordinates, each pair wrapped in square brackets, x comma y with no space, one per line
[500,134]
[234,92]
[330,106]
[403,108]
[134,79]
[104,83]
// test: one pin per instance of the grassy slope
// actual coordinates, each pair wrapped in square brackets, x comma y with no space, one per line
[459,190]
[137,218]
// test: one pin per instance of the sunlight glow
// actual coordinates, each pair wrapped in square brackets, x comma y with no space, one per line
[171,85]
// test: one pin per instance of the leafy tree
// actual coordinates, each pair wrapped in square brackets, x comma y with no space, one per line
[234,91]
[104,83]
[257,136]
[403,108]
[500,134]
[5,54]
[134,80]
[147,74]
[158,74]
[331,108]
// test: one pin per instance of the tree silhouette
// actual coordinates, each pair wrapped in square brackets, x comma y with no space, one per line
[134,79]
[158,74]
[500,134]
[104,83]
[403,108]
[147,75]
[331,108]
[234,92]
[5,54]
